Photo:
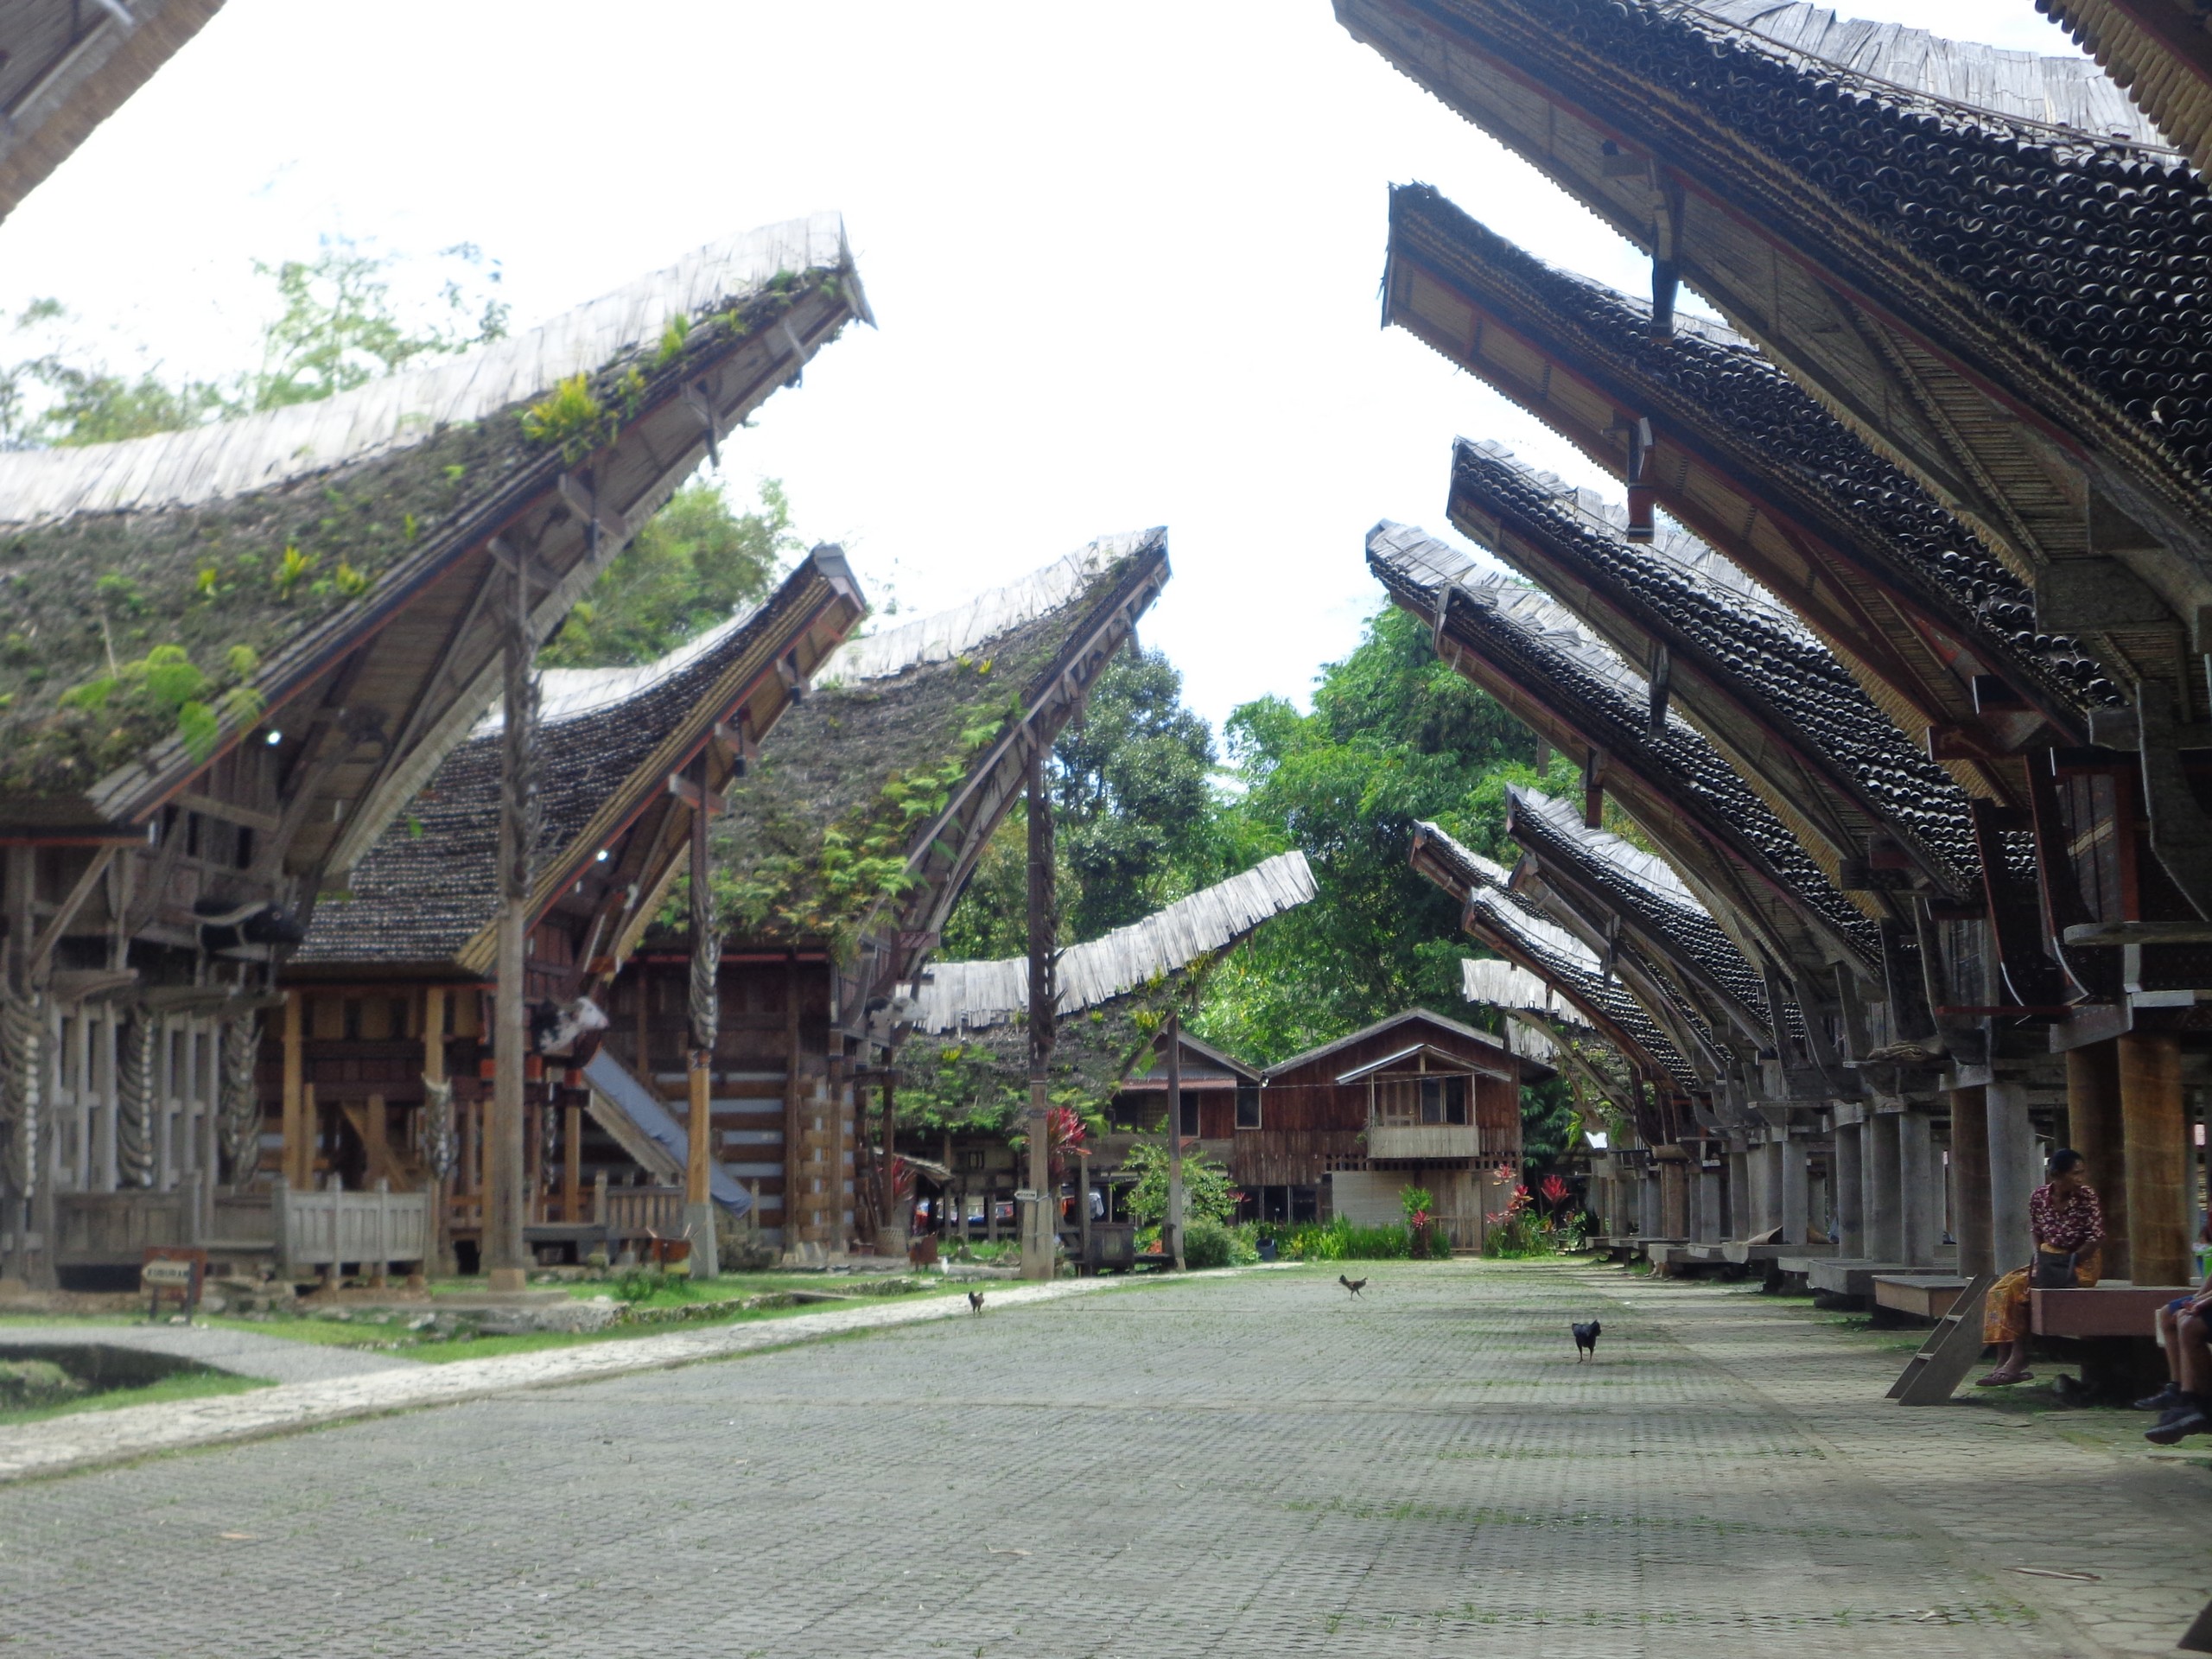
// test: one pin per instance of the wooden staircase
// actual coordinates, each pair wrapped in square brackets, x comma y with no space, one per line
[1952,1350]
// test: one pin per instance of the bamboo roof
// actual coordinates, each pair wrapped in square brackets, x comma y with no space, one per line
[1720,837]
[1790,719]
[962,996]
[2005,307]
[1512,924]
[350,541]
[2041,87]
[66,66]
[1940,635]
[426,895]
[2158,50]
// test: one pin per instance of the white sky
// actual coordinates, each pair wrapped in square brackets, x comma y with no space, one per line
[1125,258]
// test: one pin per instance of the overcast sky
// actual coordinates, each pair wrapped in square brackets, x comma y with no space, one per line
[1125,258]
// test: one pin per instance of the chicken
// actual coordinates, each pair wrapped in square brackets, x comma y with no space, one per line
[1585,1340]
[975,1301]
[1355,1285]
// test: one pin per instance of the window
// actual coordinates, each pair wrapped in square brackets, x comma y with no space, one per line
[1248,1106]
[1443,1100]
[1190,1112]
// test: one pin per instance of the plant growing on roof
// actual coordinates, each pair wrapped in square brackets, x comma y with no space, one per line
[570,419]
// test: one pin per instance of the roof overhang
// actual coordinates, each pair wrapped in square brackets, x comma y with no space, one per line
[2159,51]
[2086,504]
[1493,310]
[1734,878]
[1807,783]
[65,66]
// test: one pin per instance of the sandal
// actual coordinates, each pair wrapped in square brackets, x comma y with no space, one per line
[2001,1379]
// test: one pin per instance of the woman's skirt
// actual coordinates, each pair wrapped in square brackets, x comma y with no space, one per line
[2004,1315]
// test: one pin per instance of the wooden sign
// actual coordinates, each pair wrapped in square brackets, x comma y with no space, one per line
[173,1270]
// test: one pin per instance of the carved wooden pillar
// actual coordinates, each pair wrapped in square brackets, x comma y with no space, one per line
[2154,1122]
[2093,1130]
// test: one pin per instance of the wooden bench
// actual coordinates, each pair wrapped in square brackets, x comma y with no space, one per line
[2113,1329]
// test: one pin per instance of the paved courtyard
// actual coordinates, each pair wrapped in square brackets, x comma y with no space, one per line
[1250,1465]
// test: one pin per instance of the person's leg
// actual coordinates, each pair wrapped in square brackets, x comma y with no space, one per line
[2171,1395]
[2005,1327]
[2194,1364]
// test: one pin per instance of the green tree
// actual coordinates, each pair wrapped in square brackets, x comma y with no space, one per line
[694,564]
[337,326]
[1132,796]
[1207,1195]
[1133,812]
[1395,736]
[339,329]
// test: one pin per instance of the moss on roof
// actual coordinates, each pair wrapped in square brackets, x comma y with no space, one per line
[122,629]
[821,828]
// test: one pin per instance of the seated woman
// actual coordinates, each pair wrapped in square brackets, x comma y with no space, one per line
[2069,1225]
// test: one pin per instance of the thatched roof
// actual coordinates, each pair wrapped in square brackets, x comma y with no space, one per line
[853,795]
[970,996]
[427,893]
[2002,305]
[1719,836]
[261,552]
[66,66]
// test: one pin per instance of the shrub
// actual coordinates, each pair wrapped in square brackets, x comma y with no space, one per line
[1207,1243]
[1341,1240]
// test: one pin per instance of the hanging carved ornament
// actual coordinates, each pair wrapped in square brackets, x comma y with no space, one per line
[705,1003]
[439,1146]
[134,1098]
[549,1138]
[22,1091]
[241,1113]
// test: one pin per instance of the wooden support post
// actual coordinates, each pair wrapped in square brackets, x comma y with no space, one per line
[2154,1122]
[1172,1239]
[893,1217]
[298,1157]
[310,1137]
[434,1072]
[506,1193]
[376,1139]
[572,1159]
[1037,1231]
[2093,1128]
[1970,1182]
[794,1135]
[704,1014]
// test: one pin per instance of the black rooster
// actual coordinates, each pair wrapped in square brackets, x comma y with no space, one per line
[1585,1340]
[975,1301]
[1355,1285]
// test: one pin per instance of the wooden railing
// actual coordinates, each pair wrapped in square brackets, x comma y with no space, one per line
[331,1227]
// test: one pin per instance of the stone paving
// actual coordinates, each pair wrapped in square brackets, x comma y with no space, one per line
[1247,1465]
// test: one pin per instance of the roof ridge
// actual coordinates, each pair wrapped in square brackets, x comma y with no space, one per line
[973,995]
[262,451]
[943,635]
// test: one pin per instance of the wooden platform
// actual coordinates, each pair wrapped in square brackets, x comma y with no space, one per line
[1919,1295]
[2106,1310]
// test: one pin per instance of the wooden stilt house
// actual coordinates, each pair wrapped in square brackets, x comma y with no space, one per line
[233,655]
[386,1019]
[844,848]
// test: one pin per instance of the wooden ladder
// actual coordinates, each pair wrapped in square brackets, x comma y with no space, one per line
[1951,1350]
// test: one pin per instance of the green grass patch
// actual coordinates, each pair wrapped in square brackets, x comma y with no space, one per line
[184,1385]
